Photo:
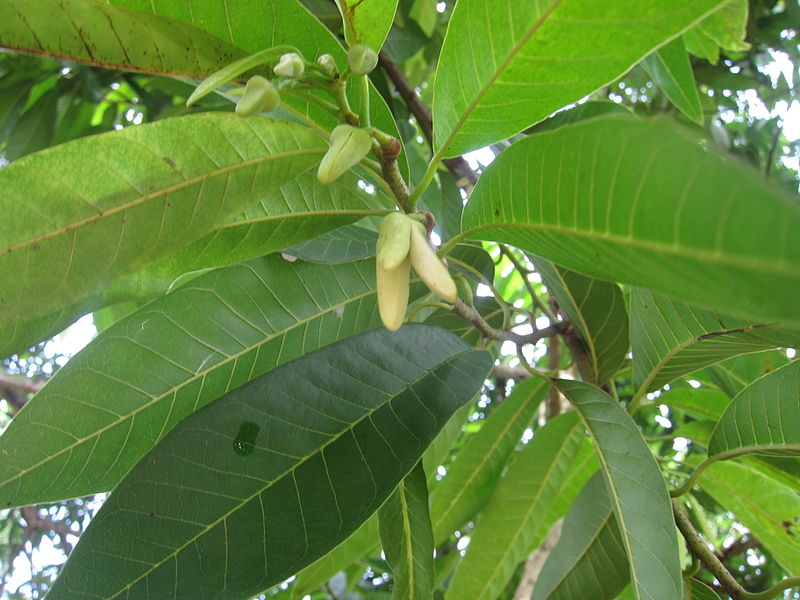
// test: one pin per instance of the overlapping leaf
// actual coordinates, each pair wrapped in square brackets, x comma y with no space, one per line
[99,33]
[242,494]
[405,528]
[670,69]
[735,374]
[671,338]
[345,244]
[516,512]
[767,507]
[633,481]
[601,197]
[367,22]
[589,561]
[508,64]
[472,477]
[106,408]
[153,190]
[597,309]
[763,419]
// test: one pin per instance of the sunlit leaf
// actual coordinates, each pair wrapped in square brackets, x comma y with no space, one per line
[367,21]
[601,198]
[243,493]
[508,64]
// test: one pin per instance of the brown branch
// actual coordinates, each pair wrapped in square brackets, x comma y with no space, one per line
[16,389]
[506,372]
[36,523]
[458,166]
[535,562]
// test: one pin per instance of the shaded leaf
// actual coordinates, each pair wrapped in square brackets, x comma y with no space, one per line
[105,409]
[702,46]
[473,475]
[697,590]
[589,561]
[763,419]
[534,58]
[404,523]
[734,374]
[516,512]
[670,69]
[155,189]
[769,509]
[728,25]
[597,309]
[671,339]
[601,197]
[704,403]
[102,34]
[243,493]
[633,480]
[345,244]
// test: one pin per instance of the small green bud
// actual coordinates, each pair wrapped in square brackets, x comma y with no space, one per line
[291,65]
[259,96]
[328,64]
[348,146]
[361,59]
[464,289]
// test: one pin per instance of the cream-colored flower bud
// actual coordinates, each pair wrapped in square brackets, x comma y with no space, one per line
[392,289]
[394,240]
[429,268]
[348,146]
[291,65]
[259,96]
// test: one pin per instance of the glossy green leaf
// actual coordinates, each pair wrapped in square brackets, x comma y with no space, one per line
[601,198]
[345,244]
[702,46]
[597,310]
[243,493]
[155,189]
[670,69]
[204,339]
[589,561]
[592,109]
[102,34]
[404,523]
[671,339]
[633,480]
[472,477]
[367,21]
[534,58]
[768,508]
[728,26]
[516,512]
[763,419]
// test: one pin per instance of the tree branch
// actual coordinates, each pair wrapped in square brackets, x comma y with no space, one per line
[471,315]
[535,562]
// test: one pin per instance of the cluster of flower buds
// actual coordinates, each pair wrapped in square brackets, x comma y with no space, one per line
[402,244]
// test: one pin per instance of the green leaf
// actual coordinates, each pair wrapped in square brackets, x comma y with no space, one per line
[769,509]
[345,244]
[367,21]
[516,512]
[207,337]
[248,490]
[670,69]
[589,561]
[404,523]
[252,25]
[601,198]
[697,590]
[597,310]
[102,34]
[734,374]
[155,189]
[763,419]
[671,339]
[728,26]
[35,128]
[702,46]
[472,477]
[633,480]
[704,403]
[533,59]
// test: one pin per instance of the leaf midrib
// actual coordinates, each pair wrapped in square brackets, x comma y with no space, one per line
[367,415]
[158,193]
[776,267]
[199,375]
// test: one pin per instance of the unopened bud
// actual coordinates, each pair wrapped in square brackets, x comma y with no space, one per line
[259,96]
[361,59]
[328,64]
[348,146]
[290,65]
